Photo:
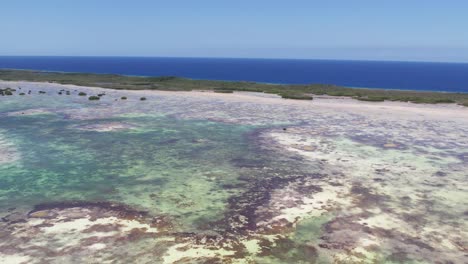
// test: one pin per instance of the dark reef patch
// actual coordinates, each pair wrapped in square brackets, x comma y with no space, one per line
[121,210]
[289,251]
[365,198]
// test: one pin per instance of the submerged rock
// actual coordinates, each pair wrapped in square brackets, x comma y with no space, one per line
[43,214]
[390,145]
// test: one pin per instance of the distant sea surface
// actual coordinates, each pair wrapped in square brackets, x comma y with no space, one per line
[427,76]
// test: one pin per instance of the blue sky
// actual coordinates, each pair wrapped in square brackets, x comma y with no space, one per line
[421,30]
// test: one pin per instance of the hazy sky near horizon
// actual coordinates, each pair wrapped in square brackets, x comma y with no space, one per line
[416,30]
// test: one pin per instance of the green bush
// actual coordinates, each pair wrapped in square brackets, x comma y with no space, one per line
[82,94]
[8,92]
[162,78]
[123,98]
[22,94]
[223,91]
[142,98]
[296,96]
[94,98]
[443,101]
[340,93]
[372,98]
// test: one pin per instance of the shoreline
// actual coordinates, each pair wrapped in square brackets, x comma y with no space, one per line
[302,92]
[332,103]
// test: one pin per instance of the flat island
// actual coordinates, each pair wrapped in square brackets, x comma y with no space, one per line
[172,83]
[228,172]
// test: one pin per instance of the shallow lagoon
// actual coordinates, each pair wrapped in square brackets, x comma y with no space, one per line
[209,178]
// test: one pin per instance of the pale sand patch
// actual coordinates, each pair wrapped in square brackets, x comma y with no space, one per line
[304,205]
[8,152]
[15,259]
[81,224]
[252,246]
[106,127]
[28,112]
[97,246]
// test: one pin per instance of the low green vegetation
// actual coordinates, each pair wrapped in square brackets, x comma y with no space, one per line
[171,83]
[143,99]
[94,98]
[223,91]
[372,98]
[123,98]
[82,94]
[296,96]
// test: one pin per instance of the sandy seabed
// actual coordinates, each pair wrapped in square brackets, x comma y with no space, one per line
[368,182]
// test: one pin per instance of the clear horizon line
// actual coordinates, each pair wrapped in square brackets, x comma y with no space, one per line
[243,58]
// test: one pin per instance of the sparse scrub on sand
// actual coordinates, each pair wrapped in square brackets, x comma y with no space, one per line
[223,91]
[296,96]
[372,98]
[171,83]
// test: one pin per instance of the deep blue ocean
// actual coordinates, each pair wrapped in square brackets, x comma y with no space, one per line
[371,74]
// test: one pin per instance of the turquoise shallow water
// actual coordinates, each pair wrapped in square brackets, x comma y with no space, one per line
[154,166]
